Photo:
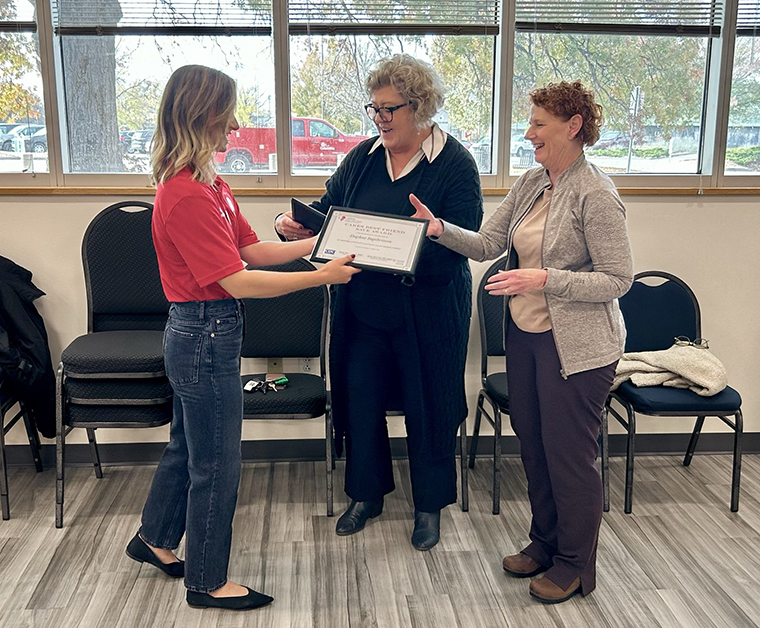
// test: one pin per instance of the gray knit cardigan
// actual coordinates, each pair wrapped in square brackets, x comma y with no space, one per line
[585,251]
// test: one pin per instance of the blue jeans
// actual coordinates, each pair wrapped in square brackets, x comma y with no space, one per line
[195,487]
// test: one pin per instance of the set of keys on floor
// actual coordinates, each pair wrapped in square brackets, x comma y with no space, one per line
[265,385]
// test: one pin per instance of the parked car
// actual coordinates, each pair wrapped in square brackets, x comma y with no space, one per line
[15,138]
[5,127]
[37,143]
[315,143]
[481,151]
[141,141]
[612,139]
[125,139]
[519,146]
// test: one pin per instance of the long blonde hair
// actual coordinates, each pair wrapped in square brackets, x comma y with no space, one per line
[192,118]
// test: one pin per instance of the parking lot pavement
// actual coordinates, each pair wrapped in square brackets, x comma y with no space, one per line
[23,162]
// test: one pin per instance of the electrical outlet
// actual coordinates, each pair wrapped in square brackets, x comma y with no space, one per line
[307,365]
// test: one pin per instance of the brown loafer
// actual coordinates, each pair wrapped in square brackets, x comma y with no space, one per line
[522,566]
[544,590]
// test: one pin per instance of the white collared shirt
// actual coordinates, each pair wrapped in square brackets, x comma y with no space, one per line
[430,148]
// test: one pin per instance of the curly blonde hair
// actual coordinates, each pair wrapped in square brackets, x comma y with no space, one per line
[195,108]
[565,100]
[416,81]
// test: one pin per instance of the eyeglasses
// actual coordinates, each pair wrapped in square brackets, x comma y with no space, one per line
[386,113]
[699,343]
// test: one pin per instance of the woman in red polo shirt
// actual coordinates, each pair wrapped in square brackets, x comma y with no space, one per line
[203,243]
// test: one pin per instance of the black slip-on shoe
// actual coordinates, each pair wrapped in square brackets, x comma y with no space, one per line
[139,551]
[355,517]
[252,599]
[427,529]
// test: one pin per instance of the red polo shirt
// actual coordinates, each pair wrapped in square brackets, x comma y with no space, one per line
[198,232]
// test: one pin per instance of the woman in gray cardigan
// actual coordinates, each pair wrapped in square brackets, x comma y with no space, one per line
[563,225]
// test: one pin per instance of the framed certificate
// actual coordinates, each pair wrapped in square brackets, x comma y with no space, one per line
[381,242]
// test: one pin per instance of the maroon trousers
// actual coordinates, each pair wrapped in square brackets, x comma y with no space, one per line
[557,421]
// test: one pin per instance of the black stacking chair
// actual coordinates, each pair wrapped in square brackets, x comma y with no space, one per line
[291,326]
[8,399]
[491,317]
[114,375]
[654,315]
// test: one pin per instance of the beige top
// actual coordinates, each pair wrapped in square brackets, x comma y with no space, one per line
[529,310]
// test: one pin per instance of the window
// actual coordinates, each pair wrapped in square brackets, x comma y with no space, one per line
[318,128]
[23,138]
[646,63]
[743,139]
[333,47]
[115,59]
[679,81]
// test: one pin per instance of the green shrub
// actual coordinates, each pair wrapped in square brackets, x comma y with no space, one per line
[649,153]
[744,156]
[610,152]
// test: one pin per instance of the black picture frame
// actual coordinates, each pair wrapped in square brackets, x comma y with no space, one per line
[336,211]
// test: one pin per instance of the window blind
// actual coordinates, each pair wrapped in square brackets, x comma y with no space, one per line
[16,20]
[162,17]
[397,17]
[673,17]
[748,19]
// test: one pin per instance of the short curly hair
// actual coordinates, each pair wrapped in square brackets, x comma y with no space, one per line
[565,100]
[416,81]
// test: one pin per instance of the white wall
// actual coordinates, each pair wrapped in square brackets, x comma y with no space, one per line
[709,241]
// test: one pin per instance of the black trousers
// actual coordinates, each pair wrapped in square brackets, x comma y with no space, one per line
[557,421]
[378,367]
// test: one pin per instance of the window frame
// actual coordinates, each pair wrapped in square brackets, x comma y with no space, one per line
[725,79]
[717,98]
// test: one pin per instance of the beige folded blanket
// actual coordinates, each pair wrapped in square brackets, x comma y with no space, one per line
[681,366]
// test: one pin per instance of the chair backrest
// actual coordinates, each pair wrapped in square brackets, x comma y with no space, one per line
[290,326]
[656,313]
[121,270]
[491,317]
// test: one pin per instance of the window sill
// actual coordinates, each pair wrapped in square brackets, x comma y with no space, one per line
[315,192]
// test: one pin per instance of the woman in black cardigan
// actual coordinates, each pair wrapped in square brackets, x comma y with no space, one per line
[396,346]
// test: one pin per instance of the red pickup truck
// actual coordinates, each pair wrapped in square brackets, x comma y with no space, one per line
[315,143]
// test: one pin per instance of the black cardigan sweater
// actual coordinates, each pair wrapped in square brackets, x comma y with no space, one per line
[437,307]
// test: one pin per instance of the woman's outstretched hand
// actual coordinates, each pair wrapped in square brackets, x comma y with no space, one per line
[435,226]
[336,271]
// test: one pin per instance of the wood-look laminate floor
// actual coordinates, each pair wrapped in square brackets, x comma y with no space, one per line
[682,559]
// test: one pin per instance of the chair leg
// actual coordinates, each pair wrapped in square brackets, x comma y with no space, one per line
[496,461]
[736,474]
[476,430]
[605,451]
[33,436]
[6,509]
[94,452]
[693,440]
[329,460]
[60,443]
[463,467]
[629,460]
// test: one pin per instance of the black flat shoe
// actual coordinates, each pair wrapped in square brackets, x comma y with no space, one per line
[252,599]
[355,517]
[427,529]
[139,551]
